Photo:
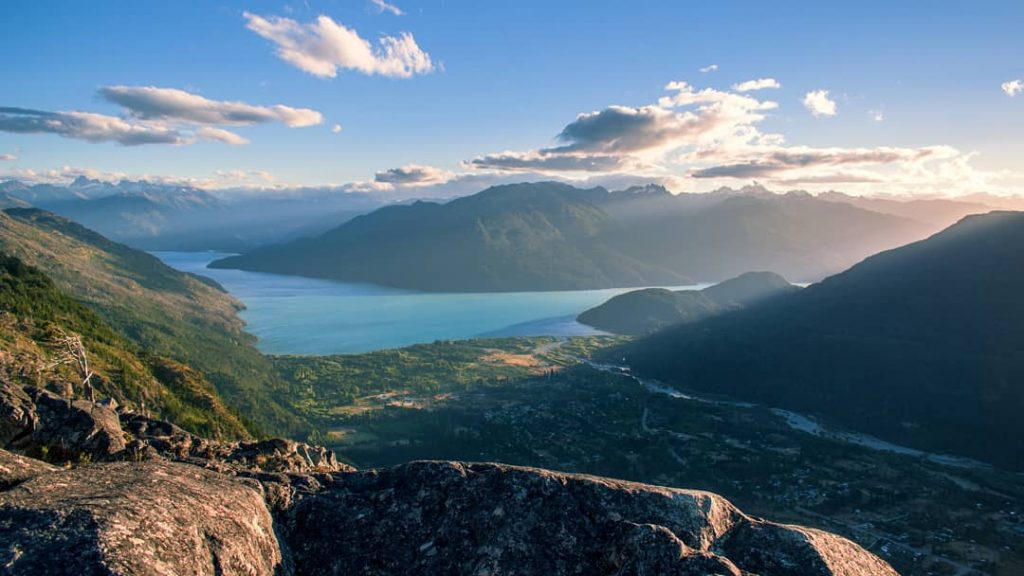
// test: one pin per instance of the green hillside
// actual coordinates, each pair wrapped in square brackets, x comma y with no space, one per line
[34,313]
[182,317]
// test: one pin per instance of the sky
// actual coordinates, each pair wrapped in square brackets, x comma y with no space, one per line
[438,97]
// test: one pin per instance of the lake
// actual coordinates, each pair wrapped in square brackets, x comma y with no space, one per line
[295,315]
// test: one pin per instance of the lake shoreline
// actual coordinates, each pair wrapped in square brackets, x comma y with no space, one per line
[295,315]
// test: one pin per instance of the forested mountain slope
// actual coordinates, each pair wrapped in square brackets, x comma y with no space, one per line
[922,345]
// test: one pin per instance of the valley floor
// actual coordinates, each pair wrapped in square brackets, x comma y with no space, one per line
[536,402]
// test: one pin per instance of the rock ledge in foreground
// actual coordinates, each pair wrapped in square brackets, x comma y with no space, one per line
[162,517]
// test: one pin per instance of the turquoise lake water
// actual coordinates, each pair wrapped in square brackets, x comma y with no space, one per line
[294,315]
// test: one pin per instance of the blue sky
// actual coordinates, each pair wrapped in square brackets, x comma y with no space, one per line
[924,93]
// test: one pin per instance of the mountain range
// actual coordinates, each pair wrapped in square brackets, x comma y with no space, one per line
[919,345]
[155,216]
[553,236]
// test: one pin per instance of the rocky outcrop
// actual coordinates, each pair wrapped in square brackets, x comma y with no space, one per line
[456,518]
[137,518]
[277,455]
[164,501]
[40,423]
[159,517]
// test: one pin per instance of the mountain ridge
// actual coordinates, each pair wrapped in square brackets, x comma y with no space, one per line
[902,345]
[553,236]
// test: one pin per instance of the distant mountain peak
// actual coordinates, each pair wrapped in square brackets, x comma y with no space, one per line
[82,181]
[650,189]
[12,186]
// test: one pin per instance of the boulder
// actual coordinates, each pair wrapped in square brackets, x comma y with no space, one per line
[74,429]
[137,518]
[35,421]
[17,413]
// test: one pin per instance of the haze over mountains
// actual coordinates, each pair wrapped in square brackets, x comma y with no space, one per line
[552,236]
[155,216]
[920,345]
[159,216]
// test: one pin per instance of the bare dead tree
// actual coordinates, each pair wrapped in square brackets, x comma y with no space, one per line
[70,351]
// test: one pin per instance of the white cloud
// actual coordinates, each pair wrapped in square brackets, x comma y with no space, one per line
[383,7]
[1013,87]
[709,68]
[624,138]
[414,175]
[819,103]
[152,103]
[155,116]
[759,84]
[322,47]
[704,138]
[877,115]
[89,126]
[336,129]
[627,129]
[8,157]
[220,135]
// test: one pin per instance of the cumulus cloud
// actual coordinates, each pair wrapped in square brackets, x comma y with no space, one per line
[383,7]
[877,115]
[758,84]
[626,129]
[336,129]
[702,137]
[709,68]
[152,103]
[88,126]
[1013,87]
[8,157]
[413,175]
[322,47]
[621,138]
[819,103]
[706,114]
